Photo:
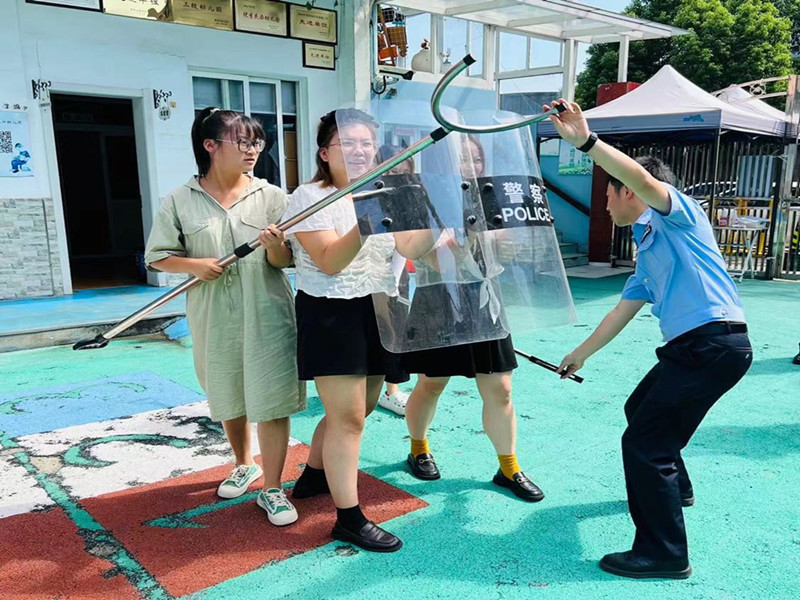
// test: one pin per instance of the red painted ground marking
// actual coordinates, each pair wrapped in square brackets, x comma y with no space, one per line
[42,557]
[237,539]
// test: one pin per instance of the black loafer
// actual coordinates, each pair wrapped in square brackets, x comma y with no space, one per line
[796,360]
[306,487]
[370,537]
[521,486]
[423,467]
[628,564]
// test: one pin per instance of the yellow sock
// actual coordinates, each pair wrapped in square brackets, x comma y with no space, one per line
[419,447]
[509,465]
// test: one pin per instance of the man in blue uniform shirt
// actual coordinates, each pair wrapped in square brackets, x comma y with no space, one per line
[680,271]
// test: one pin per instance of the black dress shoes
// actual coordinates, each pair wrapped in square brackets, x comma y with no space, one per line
[370,537]
[628,564]
[423,466]
[521,486]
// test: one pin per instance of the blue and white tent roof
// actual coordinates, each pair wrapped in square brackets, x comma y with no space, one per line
[670,102]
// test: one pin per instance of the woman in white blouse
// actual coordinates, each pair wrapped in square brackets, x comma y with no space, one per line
[338,340]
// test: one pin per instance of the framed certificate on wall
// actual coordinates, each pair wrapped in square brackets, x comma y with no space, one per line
[313,24]
[319,56]
[84,4]
[261,16]
[154,10]
[217,14]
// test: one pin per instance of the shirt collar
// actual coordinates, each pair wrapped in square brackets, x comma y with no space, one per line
[254,185]
[644,218]
[642,227]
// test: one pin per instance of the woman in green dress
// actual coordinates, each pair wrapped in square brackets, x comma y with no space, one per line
[241,318]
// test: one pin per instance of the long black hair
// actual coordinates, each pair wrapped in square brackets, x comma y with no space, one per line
[213,124]
[328,127]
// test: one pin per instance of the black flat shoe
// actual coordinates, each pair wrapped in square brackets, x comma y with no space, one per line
[628,564]
[306,487]
[521,486]
[423,467]
[687,501]
[370,537]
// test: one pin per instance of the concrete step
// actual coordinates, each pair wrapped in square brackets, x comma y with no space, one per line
[568,248]
[70,334]
[575,259]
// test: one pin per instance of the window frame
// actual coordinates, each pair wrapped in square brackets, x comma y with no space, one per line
[278,86]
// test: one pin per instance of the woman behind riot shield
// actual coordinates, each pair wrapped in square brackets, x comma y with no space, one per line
[489,362]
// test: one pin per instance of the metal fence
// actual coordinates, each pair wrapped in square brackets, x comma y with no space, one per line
[747,176]
[790,267]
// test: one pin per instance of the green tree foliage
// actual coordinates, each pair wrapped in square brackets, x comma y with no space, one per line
[732,41]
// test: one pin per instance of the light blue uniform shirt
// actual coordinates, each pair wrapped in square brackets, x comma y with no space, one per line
[680,270]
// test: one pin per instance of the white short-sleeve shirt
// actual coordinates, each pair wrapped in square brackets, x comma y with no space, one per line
[370,271]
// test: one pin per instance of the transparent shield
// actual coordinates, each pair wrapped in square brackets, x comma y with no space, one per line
[428,210]
[520,231]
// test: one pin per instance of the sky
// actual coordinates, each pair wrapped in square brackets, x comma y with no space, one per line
[615,5]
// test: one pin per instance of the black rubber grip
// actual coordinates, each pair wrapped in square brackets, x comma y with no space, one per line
[439,134]
[561,107]
[243,250]
[469,59]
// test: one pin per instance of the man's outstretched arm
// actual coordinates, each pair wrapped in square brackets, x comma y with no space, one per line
[614,322]
[573,128]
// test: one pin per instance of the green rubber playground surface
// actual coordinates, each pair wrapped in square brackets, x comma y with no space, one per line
[464,538]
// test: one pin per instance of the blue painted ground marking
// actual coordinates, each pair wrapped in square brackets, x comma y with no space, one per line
[47,409]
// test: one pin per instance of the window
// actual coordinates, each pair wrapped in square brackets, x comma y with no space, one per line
[477,32]
[455,37]
[525,95]
[274,105]
[455,44]
[418,30]
[544,53]
[522,52]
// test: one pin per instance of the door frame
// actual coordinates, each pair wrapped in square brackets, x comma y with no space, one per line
[145,157]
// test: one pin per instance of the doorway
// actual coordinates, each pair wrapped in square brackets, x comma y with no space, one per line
[99,179]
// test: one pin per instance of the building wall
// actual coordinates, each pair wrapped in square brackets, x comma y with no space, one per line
[29,255]
[572,224]
[91,53]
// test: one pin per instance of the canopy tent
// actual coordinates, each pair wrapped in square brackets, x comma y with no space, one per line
[668,102]
[741,98]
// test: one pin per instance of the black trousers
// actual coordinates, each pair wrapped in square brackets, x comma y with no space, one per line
[663,412]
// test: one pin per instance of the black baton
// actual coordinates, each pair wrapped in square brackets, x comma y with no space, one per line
[546,365]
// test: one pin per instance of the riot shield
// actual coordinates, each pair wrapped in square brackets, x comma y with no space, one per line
[425,212]
[520,232]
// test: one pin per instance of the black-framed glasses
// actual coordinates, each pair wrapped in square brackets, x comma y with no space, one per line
[245,145]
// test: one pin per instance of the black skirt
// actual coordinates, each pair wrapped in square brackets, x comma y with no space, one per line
[465,360]
[454,311]
[340,337]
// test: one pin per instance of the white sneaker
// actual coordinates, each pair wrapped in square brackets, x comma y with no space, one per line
[238,481]
[395,403]
[279,510]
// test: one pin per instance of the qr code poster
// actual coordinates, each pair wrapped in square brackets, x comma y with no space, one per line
[15,145]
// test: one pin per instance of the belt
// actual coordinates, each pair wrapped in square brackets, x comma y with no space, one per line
[716,328]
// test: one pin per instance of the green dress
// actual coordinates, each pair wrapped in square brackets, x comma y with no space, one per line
[242,324]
